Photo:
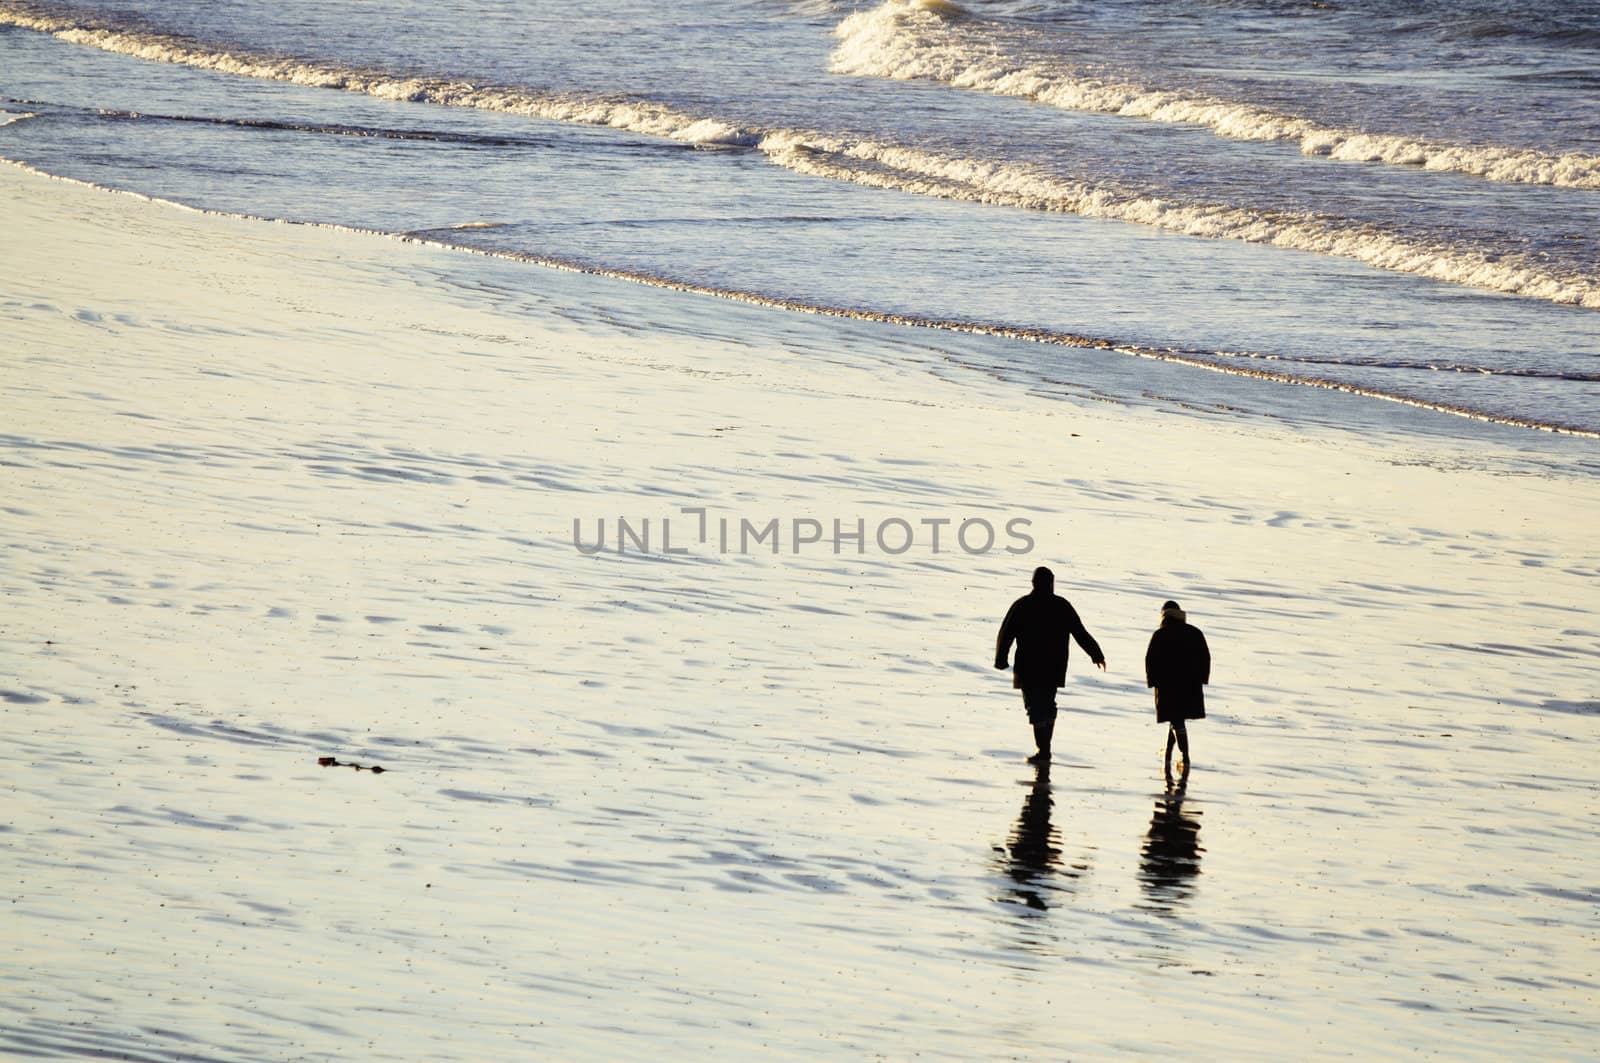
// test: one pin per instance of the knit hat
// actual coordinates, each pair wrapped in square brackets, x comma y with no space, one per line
[1170,610]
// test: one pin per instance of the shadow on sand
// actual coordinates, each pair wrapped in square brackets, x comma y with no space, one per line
[1032,855]
[1170,859]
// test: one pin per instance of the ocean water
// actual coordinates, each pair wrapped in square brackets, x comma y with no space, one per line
[1396,199]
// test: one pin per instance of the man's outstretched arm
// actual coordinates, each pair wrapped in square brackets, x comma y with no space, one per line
[1086,640]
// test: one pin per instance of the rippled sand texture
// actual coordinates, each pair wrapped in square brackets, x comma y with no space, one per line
[274,494]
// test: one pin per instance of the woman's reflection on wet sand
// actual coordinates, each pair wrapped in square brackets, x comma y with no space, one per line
[1171,856]
[1033,853]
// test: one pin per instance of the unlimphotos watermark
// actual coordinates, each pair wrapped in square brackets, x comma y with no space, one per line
[706,534]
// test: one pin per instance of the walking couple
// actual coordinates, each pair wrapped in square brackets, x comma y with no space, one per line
[1177,664]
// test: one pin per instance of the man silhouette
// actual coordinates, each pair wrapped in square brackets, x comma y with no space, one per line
[1040,623]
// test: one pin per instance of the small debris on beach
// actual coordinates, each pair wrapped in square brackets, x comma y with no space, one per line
[333,762]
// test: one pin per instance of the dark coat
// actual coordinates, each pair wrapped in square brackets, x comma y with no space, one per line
[1039,623]
[1178,665]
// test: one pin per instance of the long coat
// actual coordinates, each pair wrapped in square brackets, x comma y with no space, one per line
[1040,624]
[1178,665]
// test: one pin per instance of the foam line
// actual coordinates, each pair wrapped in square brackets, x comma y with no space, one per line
[926,173]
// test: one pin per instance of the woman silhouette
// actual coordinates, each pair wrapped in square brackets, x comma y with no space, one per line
[1178,666]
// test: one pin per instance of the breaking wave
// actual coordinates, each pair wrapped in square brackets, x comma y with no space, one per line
[936,41]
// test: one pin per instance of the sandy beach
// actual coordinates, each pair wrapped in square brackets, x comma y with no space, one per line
[274,493]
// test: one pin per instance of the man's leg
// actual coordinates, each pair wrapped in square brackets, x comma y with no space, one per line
[1181,733]
[1042,732]
[1041,703]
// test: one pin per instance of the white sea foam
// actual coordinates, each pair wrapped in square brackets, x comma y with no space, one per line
[914,170]
[711,133]
[634,115]
[865,162]
[912,40]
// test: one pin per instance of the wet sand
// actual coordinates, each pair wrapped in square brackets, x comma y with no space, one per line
[275,493]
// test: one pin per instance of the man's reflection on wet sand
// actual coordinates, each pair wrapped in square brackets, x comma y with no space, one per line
[1033,853]
[1171,856]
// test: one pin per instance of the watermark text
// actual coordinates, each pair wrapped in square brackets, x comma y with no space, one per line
[694,530]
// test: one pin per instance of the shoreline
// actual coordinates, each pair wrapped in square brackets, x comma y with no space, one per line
[1220,362]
